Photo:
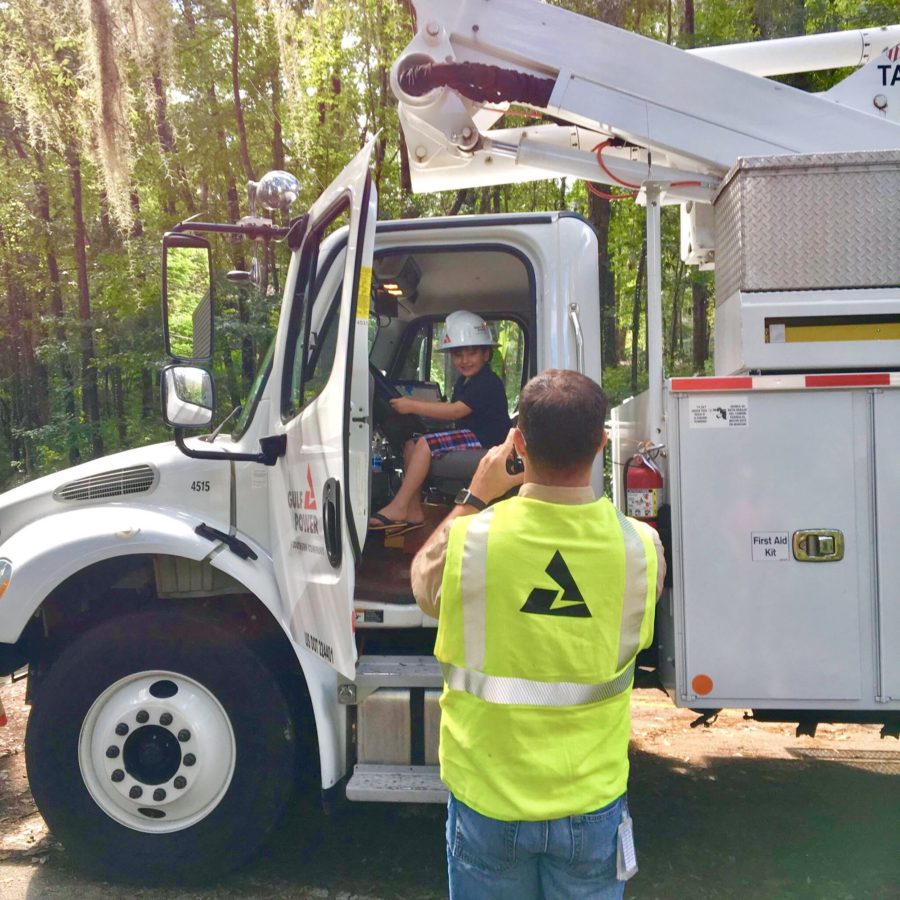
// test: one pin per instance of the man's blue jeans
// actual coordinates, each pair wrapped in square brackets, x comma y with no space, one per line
[568,859]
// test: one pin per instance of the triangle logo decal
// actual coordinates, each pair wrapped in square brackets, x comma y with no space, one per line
[567,600]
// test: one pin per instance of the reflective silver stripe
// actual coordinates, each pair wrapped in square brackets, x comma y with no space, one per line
[522,692]
[635,601]
[473,587]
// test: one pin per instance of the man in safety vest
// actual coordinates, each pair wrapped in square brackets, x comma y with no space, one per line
[543,601]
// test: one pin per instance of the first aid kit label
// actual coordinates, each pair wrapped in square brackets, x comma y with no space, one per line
[770,546]
[718,411]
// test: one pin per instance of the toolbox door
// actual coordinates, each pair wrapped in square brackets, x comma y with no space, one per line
[765,625]
[887,504]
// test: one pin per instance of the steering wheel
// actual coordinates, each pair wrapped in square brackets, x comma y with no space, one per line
[395,427]
[382,385]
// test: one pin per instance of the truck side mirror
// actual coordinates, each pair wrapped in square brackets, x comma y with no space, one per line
[188,399]
[187,297]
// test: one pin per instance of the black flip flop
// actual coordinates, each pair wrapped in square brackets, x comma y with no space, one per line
[393,527]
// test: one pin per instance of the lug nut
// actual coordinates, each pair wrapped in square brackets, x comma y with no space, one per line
[159,794]
[143,716]
[165,719]
[180,782]
[184,735]
[189,759]
[118,775]
[121,729]
[136,792]
[112,752]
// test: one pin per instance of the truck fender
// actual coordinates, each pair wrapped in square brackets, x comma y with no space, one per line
[49,550]
[258,576]
[46,552]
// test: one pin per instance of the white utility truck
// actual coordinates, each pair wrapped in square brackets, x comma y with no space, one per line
[202,620]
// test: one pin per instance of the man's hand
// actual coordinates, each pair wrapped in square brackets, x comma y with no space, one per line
[491,480]
[403,405]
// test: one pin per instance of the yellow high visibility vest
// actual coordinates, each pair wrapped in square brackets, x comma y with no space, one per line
[544,608]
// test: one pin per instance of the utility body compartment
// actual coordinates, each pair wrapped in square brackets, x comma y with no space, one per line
[784,505]
[808,263]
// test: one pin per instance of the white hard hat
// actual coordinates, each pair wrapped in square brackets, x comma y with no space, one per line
[465,329]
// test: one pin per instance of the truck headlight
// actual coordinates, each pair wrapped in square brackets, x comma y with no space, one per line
[5,575]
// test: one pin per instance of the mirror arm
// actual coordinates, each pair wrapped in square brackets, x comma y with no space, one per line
[272,448]
[250,230]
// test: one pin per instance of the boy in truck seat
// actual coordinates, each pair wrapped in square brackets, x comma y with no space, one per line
[477,406]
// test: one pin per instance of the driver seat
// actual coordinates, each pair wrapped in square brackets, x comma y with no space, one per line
[453,471]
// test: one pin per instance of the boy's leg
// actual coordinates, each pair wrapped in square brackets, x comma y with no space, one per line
[407,503]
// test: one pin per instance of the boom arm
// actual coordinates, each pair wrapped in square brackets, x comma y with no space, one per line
[689,116]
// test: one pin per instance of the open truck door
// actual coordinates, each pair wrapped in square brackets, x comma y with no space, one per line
[319,487]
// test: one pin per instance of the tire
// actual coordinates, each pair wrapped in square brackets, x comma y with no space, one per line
[160,748]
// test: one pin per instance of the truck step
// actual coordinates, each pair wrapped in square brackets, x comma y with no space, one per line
[373,672]
[396,784]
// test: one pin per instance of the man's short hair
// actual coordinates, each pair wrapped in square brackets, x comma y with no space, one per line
[561,416]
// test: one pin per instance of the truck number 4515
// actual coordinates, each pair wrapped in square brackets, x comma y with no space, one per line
[202,486]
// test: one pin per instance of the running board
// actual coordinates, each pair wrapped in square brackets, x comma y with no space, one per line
[374,672]
[396,784]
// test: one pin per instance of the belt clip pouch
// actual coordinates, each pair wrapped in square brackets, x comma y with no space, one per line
[626,858]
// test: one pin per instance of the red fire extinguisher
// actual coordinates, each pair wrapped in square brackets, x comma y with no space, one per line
[643,485]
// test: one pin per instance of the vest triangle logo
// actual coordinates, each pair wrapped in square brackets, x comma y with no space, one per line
[567,601]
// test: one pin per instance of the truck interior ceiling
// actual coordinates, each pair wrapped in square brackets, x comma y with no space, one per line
[413,290]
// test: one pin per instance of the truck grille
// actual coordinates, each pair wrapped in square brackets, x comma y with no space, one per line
[133,480]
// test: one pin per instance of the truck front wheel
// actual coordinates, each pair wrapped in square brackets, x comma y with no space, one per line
[160,747]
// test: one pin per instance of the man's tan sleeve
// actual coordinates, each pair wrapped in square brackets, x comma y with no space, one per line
[660,563]
[427,572]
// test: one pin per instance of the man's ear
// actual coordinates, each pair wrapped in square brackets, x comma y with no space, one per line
[603,441]
[519,442]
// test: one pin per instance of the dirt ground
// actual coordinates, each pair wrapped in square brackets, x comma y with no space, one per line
[736,810]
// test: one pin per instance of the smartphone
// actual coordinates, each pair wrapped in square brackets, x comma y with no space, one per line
[514,464]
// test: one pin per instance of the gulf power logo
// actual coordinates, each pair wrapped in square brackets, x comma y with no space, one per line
[893,53]
[447,339]
[309,495]
[302,506]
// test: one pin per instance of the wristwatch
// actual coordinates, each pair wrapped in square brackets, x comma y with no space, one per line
[466,498]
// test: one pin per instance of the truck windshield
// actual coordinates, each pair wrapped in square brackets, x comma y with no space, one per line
[256,390]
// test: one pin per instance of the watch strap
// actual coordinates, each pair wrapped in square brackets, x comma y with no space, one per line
[466,498]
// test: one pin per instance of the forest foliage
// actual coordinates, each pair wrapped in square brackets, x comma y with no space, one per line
[119,118]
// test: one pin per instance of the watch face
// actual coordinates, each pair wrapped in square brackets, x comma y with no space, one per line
[466,498]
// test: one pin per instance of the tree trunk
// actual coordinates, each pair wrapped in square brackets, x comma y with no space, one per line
[236,92]
[458,202]
[675,321]
[599,211]
[701,328]
[166,138]
[90,400]
[56,308]
[636,315]
[277,140]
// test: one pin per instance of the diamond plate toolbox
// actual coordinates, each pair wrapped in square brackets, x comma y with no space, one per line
[809,222]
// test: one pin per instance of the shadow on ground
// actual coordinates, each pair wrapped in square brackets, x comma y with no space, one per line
[721,827]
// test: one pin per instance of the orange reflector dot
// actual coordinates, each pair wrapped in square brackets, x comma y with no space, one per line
[702,684]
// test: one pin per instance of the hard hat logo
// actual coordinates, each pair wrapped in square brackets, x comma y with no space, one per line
[466,329]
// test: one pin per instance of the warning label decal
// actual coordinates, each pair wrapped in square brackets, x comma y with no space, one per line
[719,411]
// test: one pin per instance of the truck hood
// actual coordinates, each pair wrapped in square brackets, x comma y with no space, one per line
[133,476]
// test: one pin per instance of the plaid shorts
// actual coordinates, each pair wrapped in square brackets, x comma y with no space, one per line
[442,442]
